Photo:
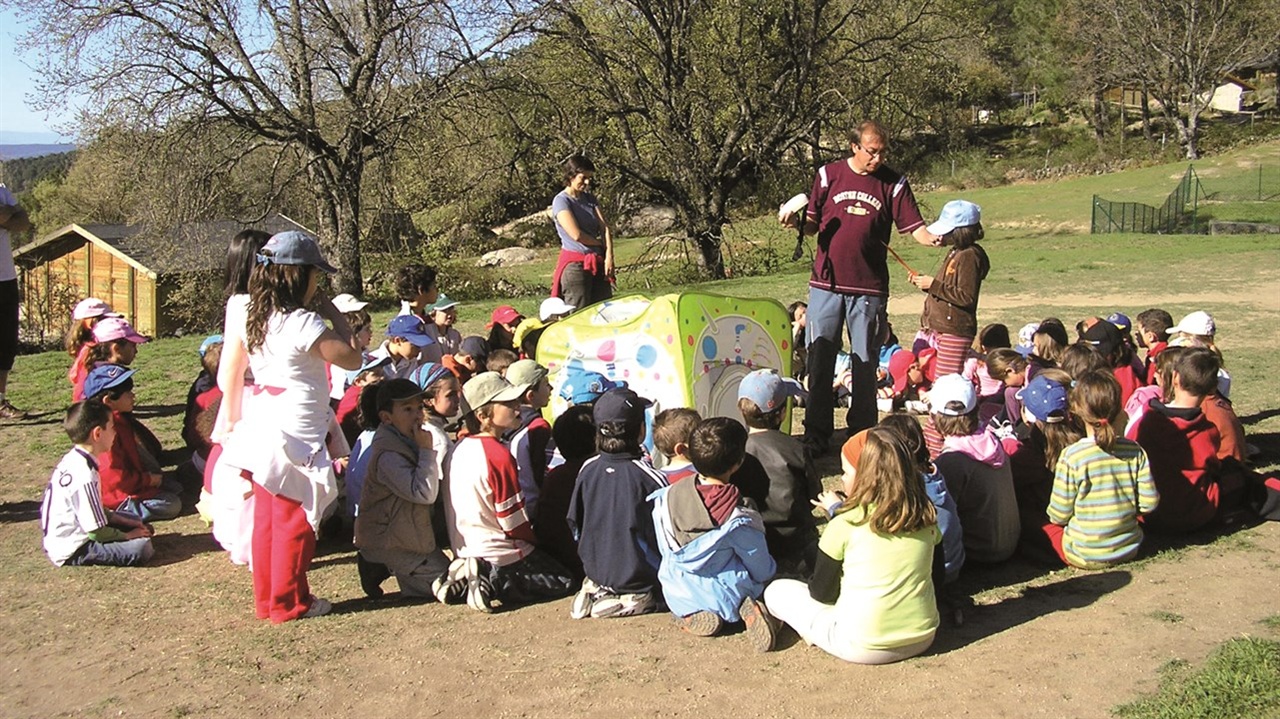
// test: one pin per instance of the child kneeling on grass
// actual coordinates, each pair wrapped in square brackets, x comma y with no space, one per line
[401,483]
[871,599]
[715,560]
[77,529]
[492,537]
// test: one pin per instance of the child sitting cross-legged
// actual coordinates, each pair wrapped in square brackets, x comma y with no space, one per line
[715,561]
[574,435]
[610,514]
[529,441]
[1101,483]
[976,469]
[493,540]
[78,530]
[871,599]
[1182,446]
[401,482]
[132,479]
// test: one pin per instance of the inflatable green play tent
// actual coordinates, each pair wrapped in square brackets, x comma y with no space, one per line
[679,350]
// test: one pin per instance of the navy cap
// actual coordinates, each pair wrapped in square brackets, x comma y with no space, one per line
[104,377]
[620,405]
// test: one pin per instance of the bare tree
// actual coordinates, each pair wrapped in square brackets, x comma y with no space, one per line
[1179,50]
[694,98]
[335,81]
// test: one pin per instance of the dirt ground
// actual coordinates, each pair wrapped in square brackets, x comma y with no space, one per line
[179,639]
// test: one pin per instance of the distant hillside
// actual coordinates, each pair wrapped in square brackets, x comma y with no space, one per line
[18,152]
[20,175]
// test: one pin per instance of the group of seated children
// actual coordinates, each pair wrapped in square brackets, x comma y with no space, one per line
[1074,449]
[112,484]
[461,490]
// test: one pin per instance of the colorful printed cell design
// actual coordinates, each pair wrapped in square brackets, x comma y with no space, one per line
[685,350]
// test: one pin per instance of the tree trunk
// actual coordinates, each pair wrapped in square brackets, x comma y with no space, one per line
[1191,134]
[1146,117]
[337,192]
[710,256]
[1099,117]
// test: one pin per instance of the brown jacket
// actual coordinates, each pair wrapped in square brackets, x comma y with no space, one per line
[951,304]
[394,523]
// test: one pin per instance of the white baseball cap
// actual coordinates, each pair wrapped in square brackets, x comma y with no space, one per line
[1196,323]
[552,307]
[347,302]
[953,388]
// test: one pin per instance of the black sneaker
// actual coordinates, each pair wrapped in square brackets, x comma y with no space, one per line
[372,575]
[8,411]
[479,590]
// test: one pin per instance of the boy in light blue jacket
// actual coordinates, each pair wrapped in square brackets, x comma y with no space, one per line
[714,558]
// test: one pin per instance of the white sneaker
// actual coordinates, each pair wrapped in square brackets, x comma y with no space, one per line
[451,587]
[479,591]
[319,608]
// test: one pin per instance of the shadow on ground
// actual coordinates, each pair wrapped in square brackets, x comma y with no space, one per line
[24,511]
[1034,602]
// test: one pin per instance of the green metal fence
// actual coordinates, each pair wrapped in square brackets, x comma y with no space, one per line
[1177,214]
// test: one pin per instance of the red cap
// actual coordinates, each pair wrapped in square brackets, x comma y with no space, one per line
[506,314]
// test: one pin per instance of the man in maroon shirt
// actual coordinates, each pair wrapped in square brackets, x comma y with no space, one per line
[853,207]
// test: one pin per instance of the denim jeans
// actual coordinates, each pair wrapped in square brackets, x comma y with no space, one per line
[127,553]
[829,314]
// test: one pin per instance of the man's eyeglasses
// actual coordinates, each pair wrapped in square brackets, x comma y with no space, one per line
[874,153]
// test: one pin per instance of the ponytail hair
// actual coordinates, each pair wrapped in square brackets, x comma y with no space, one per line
[1095,399]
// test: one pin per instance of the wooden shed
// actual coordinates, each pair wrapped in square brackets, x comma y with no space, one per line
[132,268]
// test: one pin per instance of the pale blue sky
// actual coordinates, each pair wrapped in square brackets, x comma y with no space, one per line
[19,121]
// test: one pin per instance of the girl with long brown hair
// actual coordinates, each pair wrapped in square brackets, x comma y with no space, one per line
[871,599]
[282,446]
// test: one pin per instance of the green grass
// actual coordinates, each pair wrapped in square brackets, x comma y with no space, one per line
[1167,617]
[1241,680]
[1271,622]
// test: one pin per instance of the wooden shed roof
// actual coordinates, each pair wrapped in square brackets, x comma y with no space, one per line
[191,247]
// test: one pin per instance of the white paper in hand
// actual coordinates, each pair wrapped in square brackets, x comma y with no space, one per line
[792,206]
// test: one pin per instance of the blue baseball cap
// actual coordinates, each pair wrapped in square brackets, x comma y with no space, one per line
[371,361]
[957,213]
[412,328]
[104,377]
[209,341]
[585,386]
[294,247]
[1045,399]
[768,389]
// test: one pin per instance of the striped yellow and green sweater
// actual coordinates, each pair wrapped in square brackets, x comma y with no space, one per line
[1097,496]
